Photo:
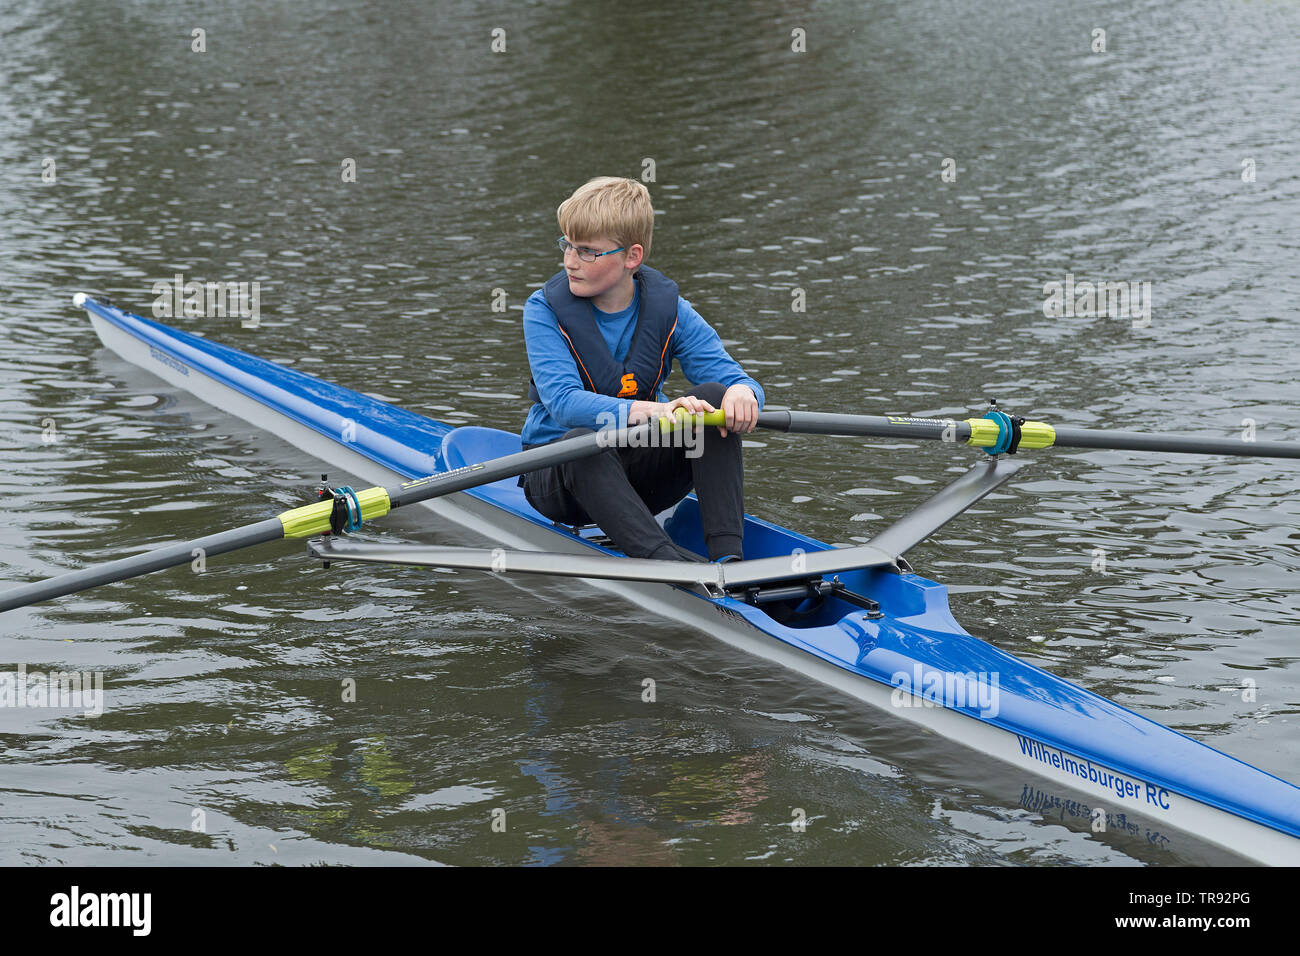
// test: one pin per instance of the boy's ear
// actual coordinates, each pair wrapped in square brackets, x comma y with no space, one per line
[635,255]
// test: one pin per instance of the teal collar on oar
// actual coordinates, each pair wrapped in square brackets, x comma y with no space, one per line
[1008,430]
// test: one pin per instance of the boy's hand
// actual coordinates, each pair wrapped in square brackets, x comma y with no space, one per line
[690,403]
[646,411]
[741,407]
[739,404]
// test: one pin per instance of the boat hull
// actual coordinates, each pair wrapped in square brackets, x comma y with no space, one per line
[915,662]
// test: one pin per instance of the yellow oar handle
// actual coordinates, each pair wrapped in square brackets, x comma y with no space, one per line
[314,519]
[681,417]
[985,433]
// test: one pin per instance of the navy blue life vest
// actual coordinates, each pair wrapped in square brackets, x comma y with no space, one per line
[639,375]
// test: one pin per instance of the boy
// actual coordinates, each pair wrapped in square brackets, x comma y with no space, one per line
[601,338]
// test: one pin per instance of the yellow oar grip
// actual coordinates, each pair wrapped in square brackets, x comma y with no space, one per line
[984,433]
[315,519]
[681,417]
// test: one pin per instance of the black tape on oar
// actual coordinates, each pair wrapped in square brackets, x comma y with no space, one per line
[346,516]
[1008,432]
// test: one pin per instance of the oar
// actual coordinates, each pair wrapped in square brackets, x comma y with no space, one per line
[314,519]
[998,432]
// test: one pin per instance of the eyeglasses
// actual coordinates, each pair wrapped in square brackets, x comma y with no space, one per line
[585,254]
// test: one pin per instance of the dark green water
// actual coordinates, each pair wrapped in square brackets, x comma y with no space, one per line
[773,171]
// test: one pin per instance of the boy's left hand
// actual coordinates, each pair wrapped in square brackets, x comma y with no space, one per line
[741,407]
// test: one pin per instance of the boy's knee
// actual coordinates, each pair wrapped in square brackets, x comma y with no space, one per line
[711,392]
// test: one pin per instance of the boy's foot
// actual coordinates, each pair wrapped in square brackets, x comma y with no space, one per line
[728,557]
[674,552]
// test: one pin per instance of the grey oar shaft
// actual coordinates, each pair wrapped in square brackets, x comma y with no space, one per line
[521,462]
[878,426]
[1182,444]
[272,529]
[166,557]
[873,426]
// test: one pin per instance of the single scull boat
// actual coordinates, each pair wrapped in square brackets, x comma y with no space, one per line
[856,619]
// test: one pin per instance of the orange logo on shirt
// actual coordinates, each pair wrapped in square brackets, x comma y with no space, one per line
[629,386]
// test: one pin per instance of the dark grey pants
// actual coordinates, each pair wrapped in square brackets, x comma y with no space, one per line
[622,489]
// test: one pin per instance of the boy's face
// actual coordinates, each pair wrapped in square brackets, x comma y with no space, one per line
[588,279]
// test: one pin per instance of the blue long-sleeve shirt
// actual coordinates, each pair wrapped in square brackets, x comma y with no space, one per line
[567,404]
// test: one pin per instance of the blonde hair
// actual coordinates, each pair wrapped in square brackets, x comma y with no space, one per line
[608,206]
